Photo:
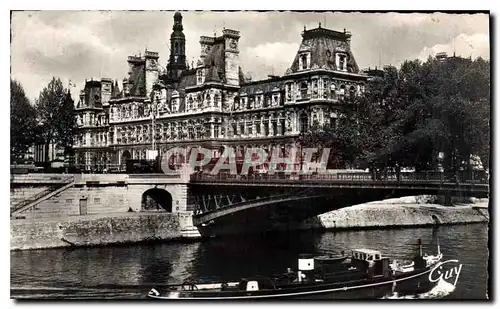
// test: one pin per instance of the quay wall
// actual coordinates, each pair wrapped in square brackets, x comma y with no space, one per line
[18,195]
[133,227]
[77,231]
[404,212]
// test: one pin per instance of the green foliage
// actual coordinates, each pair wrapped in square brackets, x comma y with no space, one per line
[410,116]
[55,111]
[22,121]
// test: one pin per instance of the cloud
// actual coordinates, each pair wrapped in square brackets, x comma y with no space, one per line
[81,44]
[476,45]
[45,47]
[411,19]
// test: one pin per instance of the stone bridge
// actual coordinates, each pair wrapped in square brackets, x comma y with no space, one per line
[222,203]
[227,202]
[87,194]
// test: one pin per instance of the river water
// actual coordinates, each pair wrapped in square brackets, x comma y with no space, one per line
[130,271]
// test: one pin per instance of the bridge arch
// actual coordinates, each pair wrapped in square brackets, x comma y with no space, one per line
[156,199]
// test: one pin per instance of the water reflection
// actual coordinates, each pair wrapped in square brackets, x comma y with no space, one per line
[233,258]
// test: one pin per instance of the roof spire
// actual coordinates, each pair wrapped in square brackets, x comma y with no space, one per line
[320,24]
[453,46]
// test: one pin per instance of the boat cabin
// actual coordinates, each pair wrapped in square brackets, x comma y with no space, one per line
[370,261]
[366,255]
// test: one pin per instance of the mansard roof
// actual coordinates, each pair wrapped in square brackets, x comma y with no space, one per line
[266,86]
[323,44]
[138,80]
[188,79]
[214,60]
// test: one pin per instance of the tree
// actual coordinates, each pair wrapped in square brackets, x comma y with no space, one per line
[411,116]
[55,116]
[22,121]
[66,128]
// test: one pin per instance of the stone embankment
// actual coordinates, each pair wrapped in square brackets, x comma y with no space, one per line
[133,227]
[96,230]
[402,212]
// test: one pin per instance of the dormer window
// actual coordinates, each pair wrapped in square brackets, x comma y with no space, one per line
[304,61]
[341,62]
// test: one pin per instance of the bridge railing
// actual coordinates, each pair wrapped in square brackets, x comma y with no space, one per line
[424,177]
[41,178]
[155,176]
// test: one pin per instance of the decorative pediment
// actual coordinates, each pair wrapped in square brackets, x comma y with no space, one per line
[341,49]
[304,48]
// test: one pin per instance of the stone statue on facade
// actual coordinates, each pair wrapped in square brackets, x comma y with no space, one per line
[288,123]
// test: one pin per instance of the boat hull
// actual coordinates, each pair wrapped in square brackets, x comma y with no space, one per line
[412,283]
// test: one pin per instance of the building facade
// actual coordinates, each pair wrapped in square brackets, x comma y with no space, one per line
[211,104]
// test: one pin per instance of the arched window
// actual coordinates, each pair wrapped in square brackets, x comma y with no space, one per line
[342,91]
[236,103]
[333,92]
[342,62]
[199,131]
[303,90]
[216,100]
[288,92]
[176,48]
[303,59]
[200,77]
[303,123]
[190,132]
[352,92]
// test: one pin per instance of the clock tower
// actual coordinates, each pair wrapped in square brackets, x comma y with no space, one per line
[177,61]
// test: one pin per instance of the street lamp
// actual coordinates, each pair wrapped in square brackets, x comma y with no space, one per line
[301,139]
[153,109]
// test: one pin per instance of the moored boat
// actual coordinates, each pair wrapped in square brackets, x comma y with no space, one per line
[369,275]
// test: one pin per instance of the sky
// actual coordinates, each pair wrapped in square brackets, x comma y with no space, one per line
[75,45]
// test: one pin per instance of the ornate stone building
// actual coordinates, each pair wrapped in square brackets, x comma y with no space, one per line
[211,104]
